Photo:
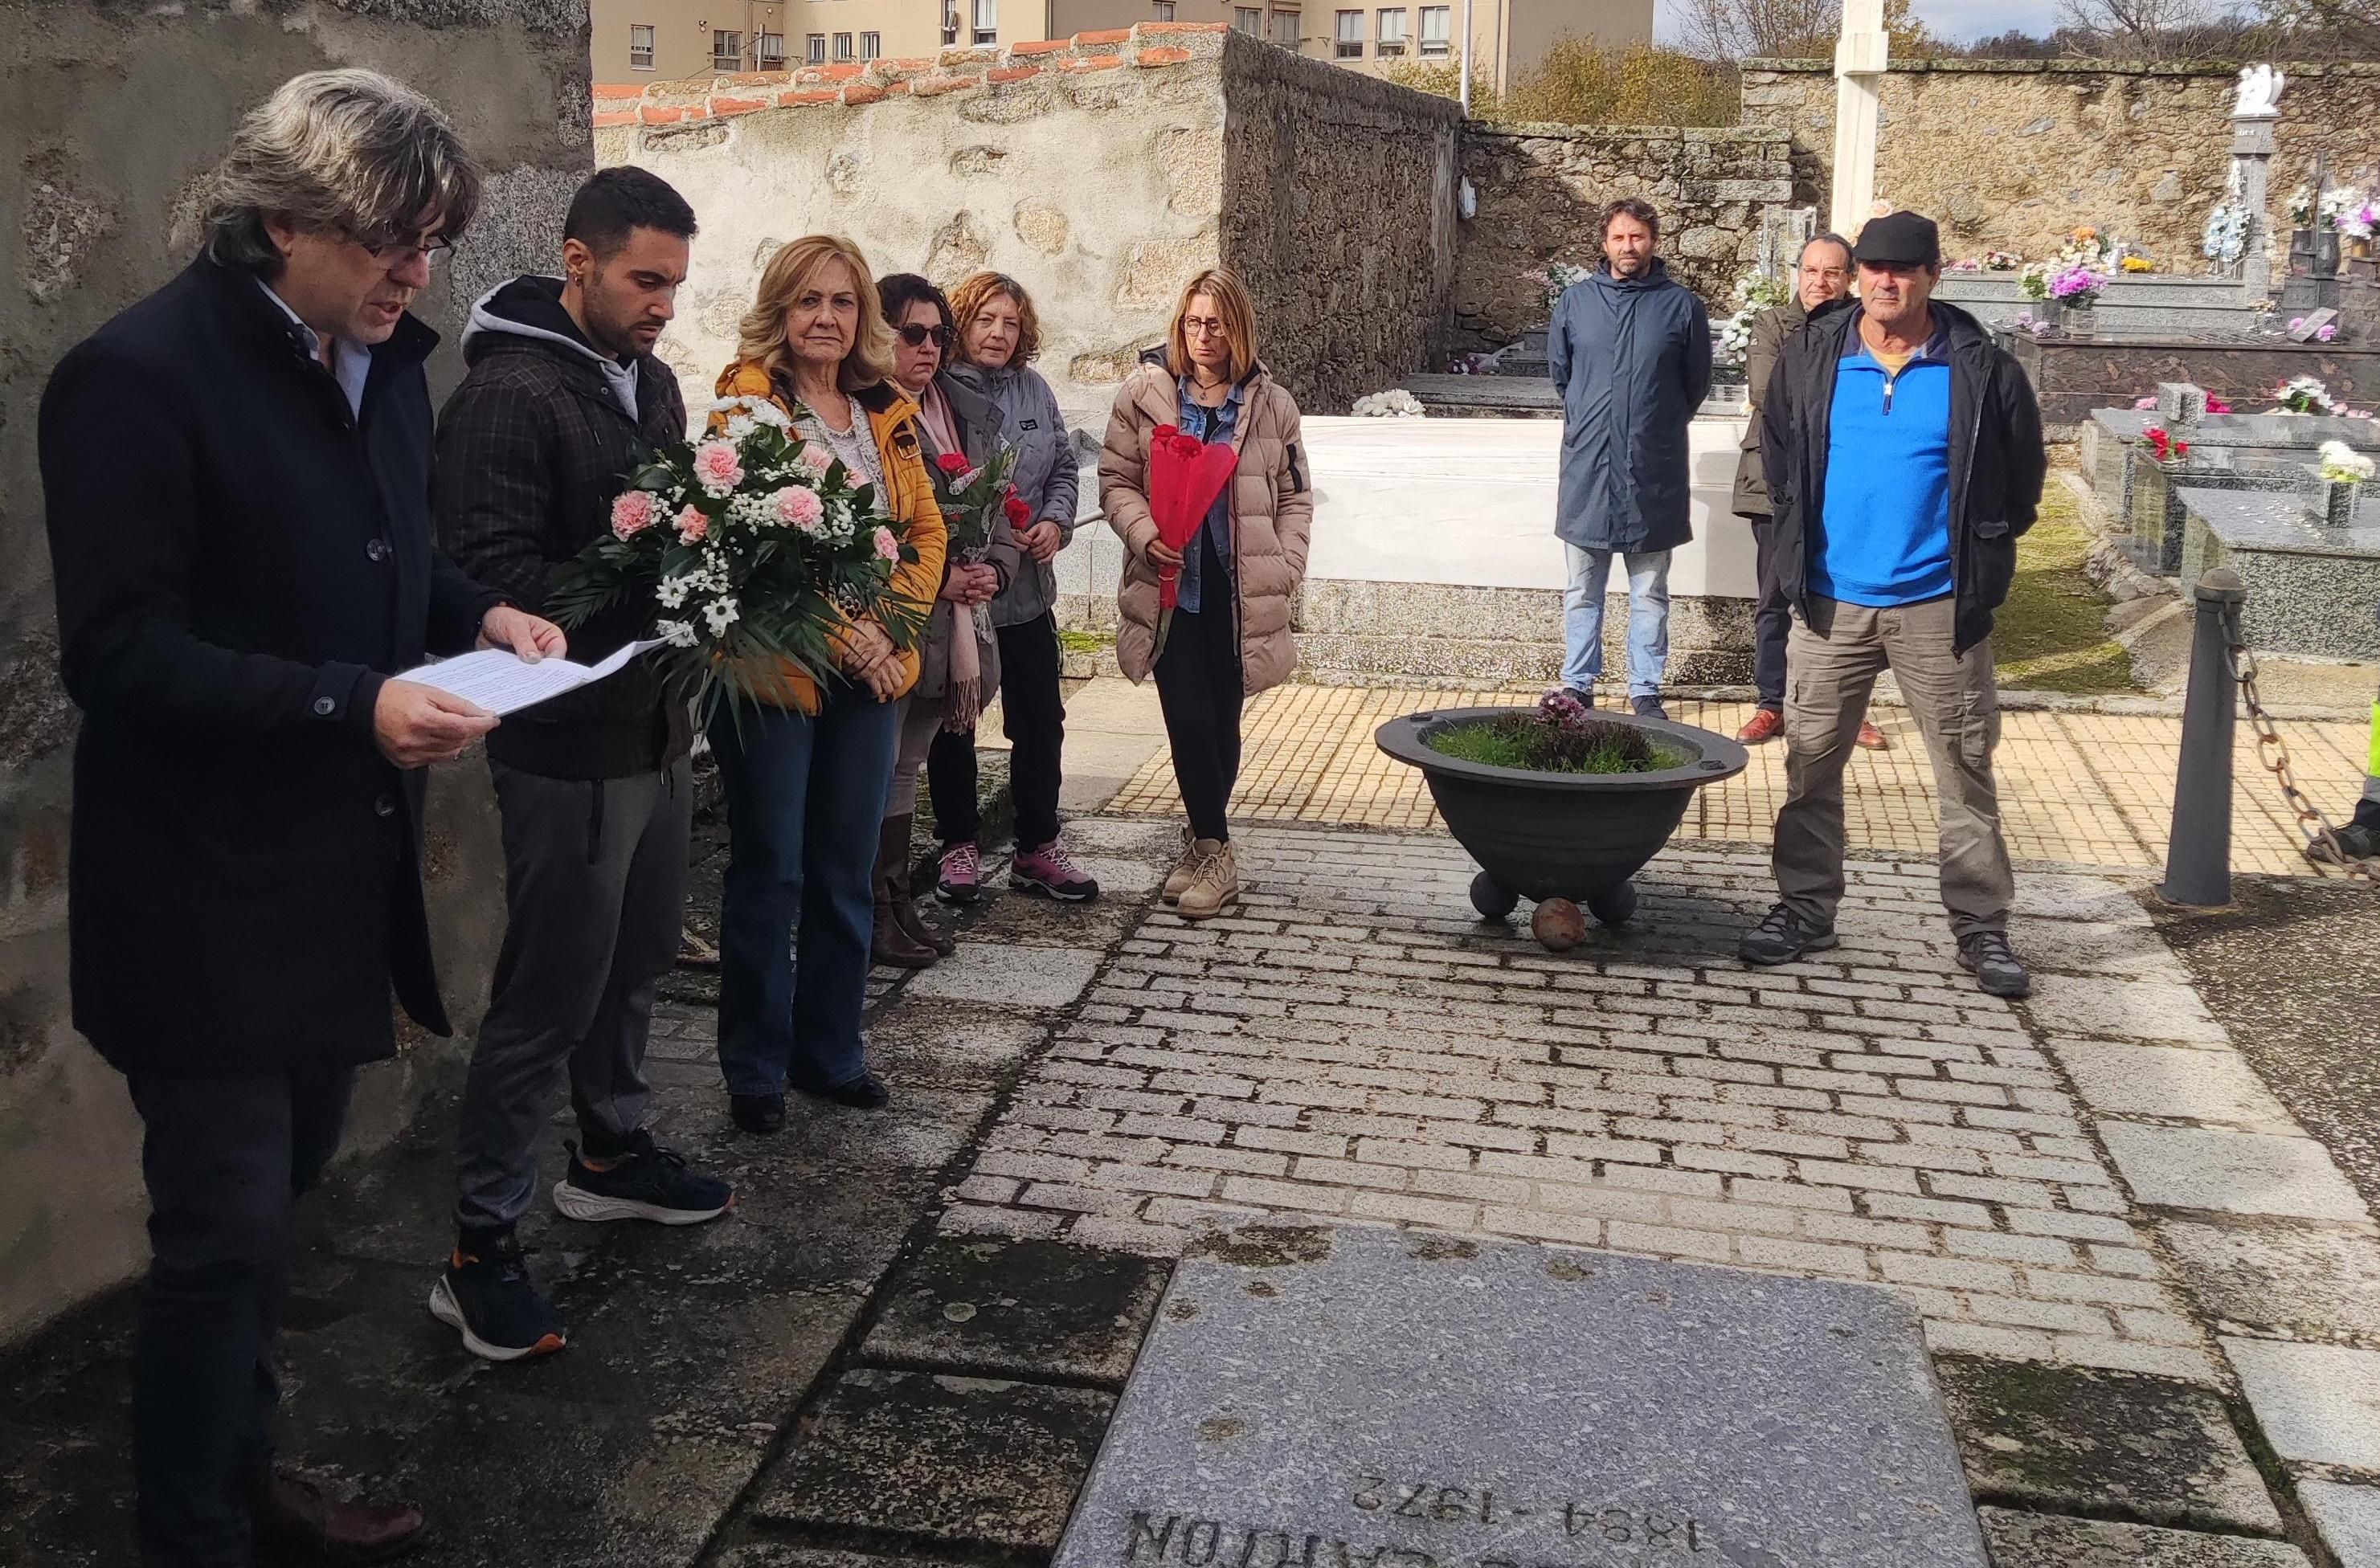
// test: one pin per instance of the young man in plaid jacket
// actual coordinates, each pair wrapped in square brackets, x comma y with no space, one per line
[563,399]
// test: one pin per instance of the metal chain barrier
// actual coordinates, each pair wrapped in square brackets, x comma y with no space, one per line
[2322,845]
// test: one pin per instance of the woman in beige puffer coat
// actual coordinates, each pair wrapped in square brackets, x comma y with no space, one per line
[1229,637]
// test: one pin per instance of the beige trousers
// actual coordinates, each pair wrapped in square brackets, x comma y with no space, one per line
[1831,663]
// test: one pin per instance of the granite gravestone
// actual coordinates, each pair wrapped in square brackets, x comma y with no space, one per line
[2309,326]
[1369,1398]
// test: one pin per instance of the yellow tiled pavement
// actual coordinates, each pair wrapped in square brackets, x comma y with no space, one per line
[2082,789]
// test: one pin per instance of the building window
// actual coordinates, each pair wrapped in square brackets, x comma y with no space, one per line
[640,46]
[1284,28]
[726,50]
[770,49]
[872,46]
[1351,35]
[1160,10]
[987,22]
[1247,19]
[1391,36]
[814,49]
[951,23]
[841,47]
[1436,29]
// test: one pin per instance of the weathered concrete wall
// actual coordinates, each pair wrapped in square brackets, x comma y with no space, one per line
[1339,215]
[113,114]
[2016,154]
[1090,170]
[1542,190]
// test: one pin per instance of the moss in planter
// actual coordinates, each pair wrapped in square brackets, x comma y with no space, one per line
[1525,740]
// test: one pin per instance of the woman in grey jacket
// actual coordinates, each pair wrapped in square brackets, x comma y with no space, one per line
[998,335]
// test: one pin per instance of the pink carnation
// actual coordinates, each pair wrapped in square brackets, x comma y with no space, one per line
[816,458]
[717,467]
[886,545]
[798,508]
[692,524]
[632,513]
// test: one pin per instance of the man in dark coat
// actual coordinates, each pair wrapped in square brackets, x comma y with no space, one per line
[1822,277]
[563,403]
[1905,458]
[1631,354]
[237,473]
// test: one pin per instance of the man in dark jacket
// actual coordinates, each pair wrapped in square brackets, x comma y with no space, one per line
[1630,355]
[1904,457]
[237,473]
[1822,276]
[563,399]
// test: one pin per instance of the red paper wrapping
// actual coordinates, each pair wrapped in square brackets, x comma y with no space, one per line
[1186,475]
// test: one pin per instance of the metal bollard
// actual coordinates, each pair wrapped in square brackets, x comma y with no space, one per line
[2198,849]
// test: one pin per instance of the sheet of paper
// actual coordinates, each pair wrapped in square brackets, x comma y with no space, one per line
[503,682]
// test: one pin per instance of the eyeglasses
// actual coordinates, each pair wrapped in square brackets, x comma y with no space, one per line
[1202,326]
[916,336]
[397,252]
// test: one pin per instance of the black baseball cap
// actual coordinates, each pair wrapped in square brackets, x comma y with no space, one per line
[1902,239]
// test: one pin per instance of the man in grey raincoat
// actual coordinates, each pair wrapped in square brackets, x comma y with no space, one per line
[1630,350]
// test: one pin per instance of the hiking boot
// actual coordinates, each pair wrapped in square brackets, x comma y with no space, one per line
[1871,739]
[1988,956]
[1179,878]
[1765,725]
[647,1182]
[1783,935]
[1647,707]
[1214,880]
[958,878]
[1050,872]
[889,942]
[487,1295]
[866,1093]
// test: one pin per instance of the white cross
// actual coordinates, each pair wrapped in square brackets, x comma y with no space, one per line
[1859,56]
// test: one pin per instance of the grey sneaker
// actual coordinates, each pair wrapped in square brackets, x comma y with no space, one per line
[1647,707]
[1988,956]
[2355,842]
[1781,936]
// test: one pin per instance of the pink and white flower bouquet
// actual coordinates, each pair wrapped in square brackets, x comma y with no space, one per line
[754,547]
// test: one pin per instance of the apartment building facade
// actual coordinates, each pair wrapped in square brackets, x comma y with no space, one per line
[636,40]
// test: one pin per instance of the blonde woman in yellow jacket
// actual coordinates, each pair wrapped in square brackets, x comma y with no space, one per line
[806,777]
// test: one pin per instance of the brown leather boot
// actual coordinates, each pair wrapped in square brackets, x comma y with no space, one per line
[906,914]
[294,1521]
[888,944]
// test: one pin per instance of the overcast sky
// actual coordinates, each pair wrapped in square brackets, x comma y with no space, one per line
[1956,20]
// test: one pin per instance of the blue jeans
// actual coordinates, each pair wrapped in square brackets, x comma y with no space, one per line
[804,800]
[1649,618]
[226,1160]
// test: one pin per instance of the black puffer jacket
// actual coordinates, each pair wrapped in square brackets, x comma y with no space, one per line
[532,448]
[1997,460]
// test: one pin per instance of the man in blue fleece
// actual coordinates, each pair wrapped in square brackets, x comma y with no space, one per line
[1904,457]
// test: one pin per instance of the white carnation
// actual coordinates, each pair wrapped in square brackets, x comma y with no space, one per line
[676,633]
[720,614]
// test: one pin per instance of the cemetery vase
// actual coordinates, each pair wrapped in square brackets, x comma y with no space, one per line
[2300,252]
[2334,501]
[2077,321]
[1576,836]
[2326,254]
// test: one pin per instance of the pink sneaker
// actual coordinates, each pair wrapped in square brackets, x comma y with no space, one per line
[958,879]
[1050,872]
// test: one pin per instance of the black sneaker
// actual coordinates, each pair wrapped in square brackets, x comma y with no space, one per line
[1585,694]
[761,1113]
[486,1294]
[1782,937]
[1647,707]
[647,1182]
[866,1093]
[1988,956]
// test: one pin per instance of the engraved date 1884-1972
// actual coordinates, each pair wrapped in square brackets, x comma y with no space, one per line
[1431,1503]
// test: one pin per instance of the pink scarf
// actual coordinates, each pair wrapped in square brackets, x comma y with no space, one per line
[963,700]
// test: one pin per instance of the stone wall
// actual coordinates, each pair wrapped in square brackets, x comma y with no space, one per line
[1339,215]
[2015,154]
[112,114]
[1098,170]
[1541,191]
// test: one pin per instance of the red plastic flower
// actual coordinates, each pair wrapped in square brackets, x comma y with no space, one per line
[1018,513]
[952,463]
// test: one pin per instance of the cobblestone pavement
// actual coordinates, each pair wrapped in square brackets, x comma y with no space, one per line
[2079,788]
[1354,1047]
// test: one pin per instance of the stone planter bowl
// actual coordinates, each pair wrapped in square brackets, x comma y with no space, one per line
[1575,836]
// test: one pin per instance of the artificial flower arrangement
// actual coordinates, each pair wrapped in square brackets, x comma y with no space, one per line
[758,549]
[1394,403]
[1989,261]
[2213,404]
[2135,262]
[973,501]
[2075,286]
[1755,292]
[2327,332]
[1555,277]
[2342,207]
[2163,445]
[2226,239]
[2342,464]
[2304,394]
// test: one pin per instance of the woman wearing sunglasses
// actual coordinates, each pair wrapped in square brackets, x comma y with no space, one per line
[997,336]
[952,688]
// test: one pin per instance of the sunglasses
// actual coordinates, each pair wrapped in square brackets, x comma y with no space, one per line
[916,335]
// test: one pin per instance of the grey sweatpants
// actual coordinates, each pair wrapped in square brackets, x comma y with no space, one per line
[1831,663]
[595,894]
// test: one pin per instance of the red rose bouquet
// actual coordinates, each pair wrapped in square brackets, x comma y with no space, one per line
[973,500]
[1186,475]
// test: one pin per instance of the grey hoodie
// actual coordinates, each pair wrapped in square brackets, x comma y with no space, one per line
[486,318]
[1047,477]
